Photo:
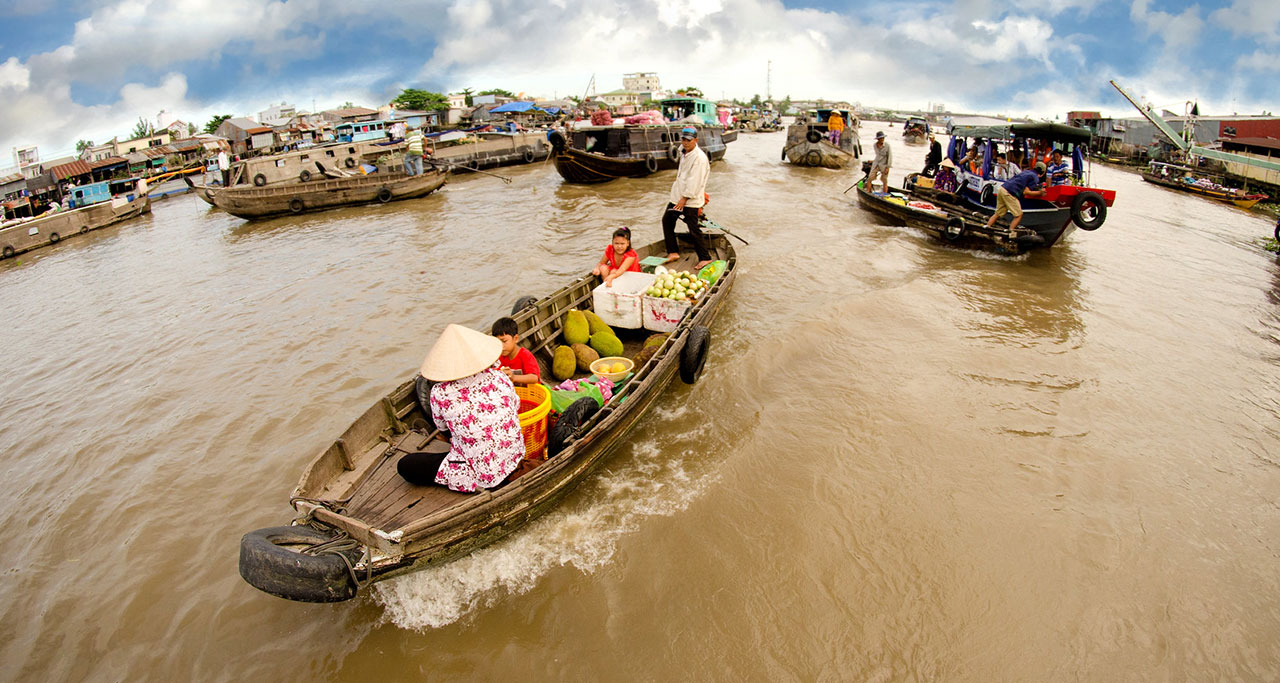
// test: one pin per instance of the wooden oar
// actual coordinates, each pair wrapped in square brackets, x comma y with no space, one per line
[454,164]
[334,174]
[707,222]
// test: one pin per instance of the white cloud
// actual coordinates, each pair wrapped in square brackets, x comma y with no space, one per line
[1257,18]
[1259,61]
[14,75]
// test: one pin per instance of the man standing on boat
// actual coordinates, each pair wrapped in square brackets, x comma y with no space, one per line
[934,157]
[224,165]
[688,194]
[880,167]
[1027,184]
[413,152]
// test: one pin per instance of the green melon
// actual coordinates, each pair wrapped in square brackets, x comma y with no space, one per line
[564,362]
[596,324]
[606,344]
[576,330]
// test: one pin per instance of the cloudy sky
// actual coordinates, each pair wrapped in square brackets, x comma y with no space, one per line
[89,68]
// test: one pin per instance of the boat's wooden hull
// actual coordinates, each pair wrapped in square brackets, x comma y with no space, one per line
[1244,202]
[28,235]
[296,198]
[597,154]
[821,153]
[915,137]
[426,525]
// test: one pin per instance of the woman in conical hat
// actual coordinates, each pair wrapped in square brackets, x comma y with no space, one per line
[476,402]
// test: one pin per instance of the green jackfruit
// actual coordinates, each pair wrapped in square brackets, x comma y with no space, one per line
[564,363]
[585,355]
[606,344]
[655,340]
[645,354]
[596,324]
[575,328]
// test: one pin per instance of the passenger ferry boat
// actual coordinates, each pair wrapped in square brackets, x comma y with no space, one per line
[596,154]
[91,207]
[915,131]
[808,143]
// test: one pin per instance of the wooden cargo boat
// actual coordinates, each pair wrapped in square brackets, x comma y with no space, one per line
[275,200]
[25,235]
[808,145]
[364,523]
[915,131]
[596,154]
[1183,179]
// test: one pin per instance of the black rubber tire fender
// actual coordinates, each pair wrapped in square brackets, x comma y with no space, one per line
[953,230]
[295,205]
[528,155]
[7,252]
[349,162]
[651,164]
[305,176]
[269,563]
[813,158]
[813,135]
[384,195]
[556,138]
[259,180]
[693,357]
[84,230]
[570,420]
[54,238]
[422,387]
[1277,233]
[523,303]
[1078,210]
[673,153]
[988,195]
[784,152]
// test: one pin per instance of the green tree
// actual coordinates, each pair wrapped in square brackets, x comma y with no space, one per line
[191,129]
[499,92]
[142,129]
[348,105]
[82,145]
[468,92]
[421,100]
[755,100]
[212,126]
[785,105]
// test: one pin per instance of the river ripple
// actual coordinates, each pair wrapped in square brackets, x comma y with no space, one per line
[904,461]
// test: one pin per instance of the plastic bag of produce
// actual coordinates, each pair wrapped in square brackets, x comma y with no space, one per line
[712,272]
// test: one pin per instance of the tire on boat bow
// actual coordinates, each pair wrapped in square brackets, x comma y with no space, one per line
[1088,210]
[813,135]
[384,195]
[651,164]
[276,560]
[953,230]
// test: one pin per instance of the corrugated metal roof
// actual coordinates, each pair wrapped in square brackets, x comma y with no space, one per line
[109,161]
[74,168]
[259,130]
[13,178]
[1270,143]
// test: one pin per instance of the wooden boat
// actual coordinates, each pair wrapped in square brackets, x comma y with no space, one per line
[1043,224]
[25,235]
[596,154]
[808,145]
[274,200]
[915,131]
[1162,174]
[364,523]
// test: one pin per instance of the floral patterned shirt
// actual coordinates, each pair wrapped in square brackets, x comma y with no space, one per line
[481,412]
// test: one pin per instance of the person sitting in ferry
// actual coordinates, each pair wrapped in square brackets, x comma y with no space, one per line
[1003,170]
[618,257]
[477,404]
[516,362]
[1059,169]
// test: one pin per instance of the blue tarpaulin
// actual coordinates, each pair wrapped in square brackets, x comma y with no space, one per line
[516,107]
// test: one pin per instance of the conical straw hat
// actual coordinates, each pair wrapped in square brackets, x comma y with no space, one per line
[460,352]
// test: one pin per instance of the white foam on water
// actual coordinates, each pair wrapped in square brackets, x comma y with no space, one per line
[583,534]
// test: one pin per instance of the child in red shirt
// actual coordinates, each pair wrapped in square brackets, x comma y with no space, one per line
[516,361]
[619,258]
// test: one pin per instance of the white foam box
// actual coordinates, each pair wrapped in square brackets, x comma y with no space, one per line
[619,305]
[662,315]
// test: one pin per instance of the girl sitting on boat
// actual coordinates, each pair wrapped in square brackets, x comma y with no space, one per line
[618,258]
[477,404]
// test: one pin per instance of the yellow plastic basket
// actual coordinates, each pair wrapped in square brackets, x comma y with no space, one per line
[533,422]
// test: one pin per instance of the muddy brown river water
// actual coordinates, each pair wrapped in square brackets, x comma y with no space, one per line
[903,462]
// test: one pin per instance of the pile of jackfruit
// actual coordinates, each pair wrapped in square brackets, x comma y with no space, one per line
[587,339]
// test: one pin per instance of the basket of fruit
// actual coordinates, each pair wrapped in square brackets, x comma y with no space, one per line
[612,368]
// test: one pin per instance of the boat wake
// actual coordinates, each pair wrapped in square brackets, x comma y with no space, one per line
[651,480]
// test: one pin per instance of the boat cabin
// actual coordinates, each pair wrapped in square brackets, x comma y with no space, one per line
[819,118]
[1035,141]
[360,131]
[103,191]
[916,122]
[678,108]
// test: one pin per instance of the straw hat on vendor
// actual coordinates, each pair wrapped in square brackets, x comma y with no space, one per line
[460,352]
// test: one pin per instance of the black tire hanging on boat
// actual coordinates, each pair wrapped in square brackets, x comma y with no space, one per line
[384,195]
[295,205]
[268,563]
[349,162]
[7,252]
[54,238]
[953,230]
[570,420]
[1078,210]
[813,135]
[673,153]
[305,176]
[422,387]
[1277,233]
[259,180]
[528,155]
[988,195]
[523,303]
[784,152]
[813,158]
[556,138]
[84,230]
[694,354]
[651,164]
